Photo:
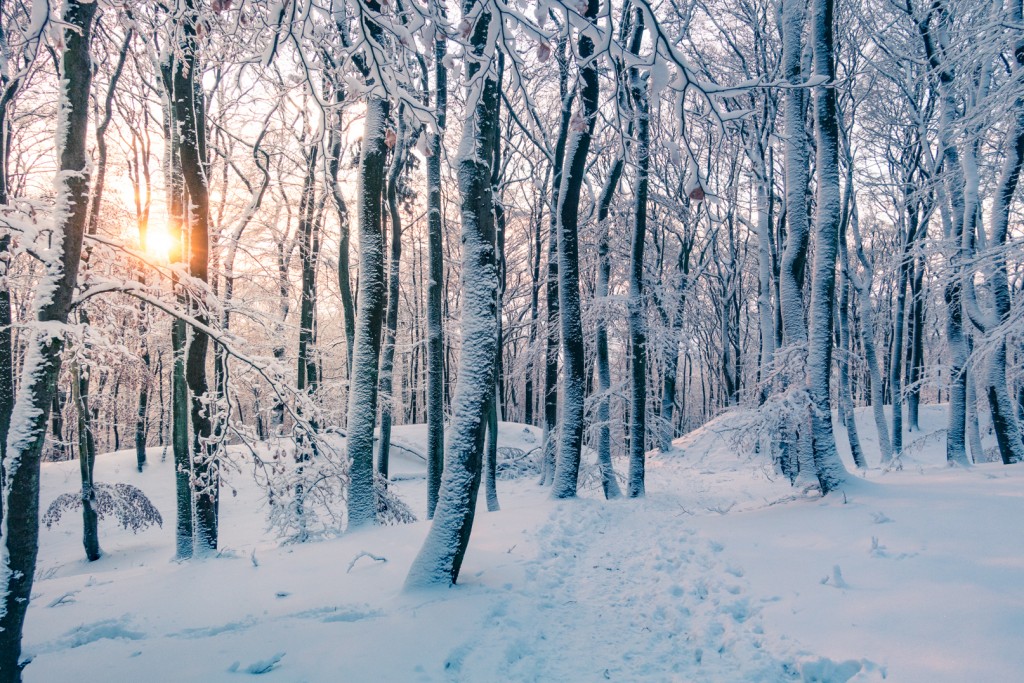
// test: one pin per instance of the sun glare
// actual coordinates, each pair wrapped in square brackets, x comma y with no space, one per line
[158,242]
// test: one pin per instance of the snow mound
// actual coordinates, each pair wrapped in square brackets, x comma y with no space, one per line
[720,471]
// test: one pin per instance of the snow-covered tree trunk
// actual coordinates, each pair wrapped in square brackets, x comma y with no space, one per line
[637,320]
[553,338]
[440,558]
[671,359]
[362,402]
[977,453]
[908,238]
[847,411]
[190,117]
[308,242]
[797,457]
[951,206]
[916,370]
[1004,414]
[846,406]
[435,329]
[604,377]
[829,467]
[794,257]
[19,530]
[387,363]
[581,131]
[494,409]
[765,317]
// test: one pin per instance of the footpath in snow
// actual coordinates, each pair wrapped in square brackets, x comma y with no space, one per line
[720,574]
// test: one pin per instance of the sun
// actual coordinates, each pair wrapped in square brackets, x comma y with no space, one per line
[158,243]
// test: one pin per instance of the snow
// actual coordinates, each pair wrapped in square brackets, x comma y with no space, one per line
[722,573]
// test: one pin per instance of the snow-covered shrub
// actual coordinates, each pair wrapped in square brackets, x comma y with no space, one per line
[390,508]
[772,427]
[514,463]
[126,503]
[307,493]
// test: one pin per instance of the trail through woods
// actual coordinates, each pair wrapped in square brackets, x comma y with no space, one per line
[720,574]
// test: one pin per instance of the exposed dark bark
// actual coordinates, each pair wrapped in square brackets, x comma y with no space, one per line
[571,433]
[362,405]
[609,483]
[553,338]
[43,359]
[86,462]
[440,559]
[435,326]
[189,110]
[637,321]
[387,364]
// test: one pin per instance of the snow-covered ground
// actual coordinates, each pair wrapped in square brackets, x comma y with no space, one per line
[720,574]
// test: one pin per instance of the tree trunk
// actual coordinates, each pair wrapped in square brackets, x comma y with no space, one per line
[567,466]
[609,483]
[637,320]
[916,370]
[362,403]
[86,462]
[553,338]
[387,364]
[190,118]
[19,533]
[829,467]
[794,257]
[435,325]
[441,556]
[952,211]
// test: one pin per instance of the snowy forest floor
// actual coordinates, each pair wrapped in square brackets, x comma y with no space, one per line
[720,574]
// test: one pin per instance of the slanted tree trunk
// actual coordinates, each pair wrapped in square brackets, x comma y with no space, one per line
[829,467]
[567,466]
[19,533]
[435,326]
[440,559]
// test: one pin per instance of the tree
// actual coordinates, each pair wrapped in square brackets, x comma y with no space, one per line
[829,468]
[440,559]
[19,532]
[581,130]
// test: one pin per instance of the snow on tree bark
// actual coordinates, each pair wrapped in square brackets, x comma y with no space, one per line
[435,329]
[635,487]
[19,530]
[553,335]
[570,444]
[829,467]
[362,402]
[189,109]
[440,559]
